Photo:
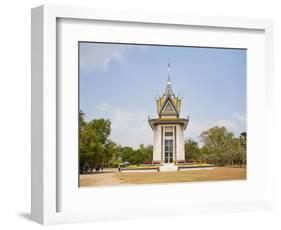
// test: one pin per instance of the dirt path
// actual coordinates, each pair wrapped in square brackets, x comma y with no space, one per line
[99,179]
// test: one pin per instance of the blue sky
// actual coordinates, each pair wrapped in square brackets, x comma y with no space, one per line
[120,82]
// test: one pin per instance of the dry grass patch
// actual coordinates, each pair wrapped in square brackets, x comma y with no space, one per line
[116,178]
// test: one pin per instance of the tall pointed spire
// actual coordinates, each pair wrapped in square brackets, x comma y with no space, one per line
[169,72]
[168,84]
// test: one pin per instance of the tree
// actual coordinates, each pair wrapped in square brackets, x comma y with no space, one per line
[127,154]
[144,153]
[203,154]
[191,150]
[241,147]
[82,121]
[137,156]
[148,152]
[93,139]
[111,154]
[243,139]
[101,127]
[217,141]
[222,147]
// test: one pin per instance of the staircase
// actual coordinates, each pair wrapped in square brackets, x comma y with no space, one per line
[168,168]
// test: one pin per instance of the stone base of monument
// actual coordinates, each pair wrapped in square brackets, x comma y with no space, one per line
[168,168]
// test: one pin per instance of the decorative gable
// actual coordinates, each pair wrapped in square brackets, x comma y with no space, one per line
[169,104]
[168,108]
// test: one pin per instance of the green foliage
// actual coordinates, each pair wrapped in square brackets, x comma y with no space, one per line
[137,156]
[221,147]
[243,139]
[191,150]
[96,150]
[94,144]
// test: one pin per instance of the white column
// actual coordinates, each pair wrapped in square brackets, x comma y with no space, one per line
[157,144]
[183,153]
[174,144]
[180,143]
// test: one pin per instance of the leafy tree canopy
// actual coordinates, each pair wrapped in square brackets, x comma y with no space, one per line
[219,146]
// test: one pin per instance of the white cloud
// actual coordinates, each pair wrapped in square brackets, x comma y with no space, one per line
[129,128]
[236,124]
[194,129]
[241,118]
[97,57]
[230,124]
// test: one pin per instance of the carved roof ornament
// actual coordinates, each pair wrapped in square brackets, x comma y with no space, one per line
[168,107]
[169,90]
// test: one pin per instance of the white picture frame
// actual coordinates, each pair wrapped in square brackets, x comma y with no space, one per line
[49,187]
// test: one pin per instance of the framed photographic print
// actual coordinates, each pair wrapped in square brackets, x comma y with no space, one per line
[116,136]
[137,115]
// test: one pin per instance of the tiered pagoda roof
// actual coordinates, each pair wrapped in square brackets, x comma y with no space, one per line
[168,107]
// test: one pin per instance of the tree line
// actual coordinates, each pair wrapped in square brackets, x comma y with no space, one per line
[97,150]
[220,147]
